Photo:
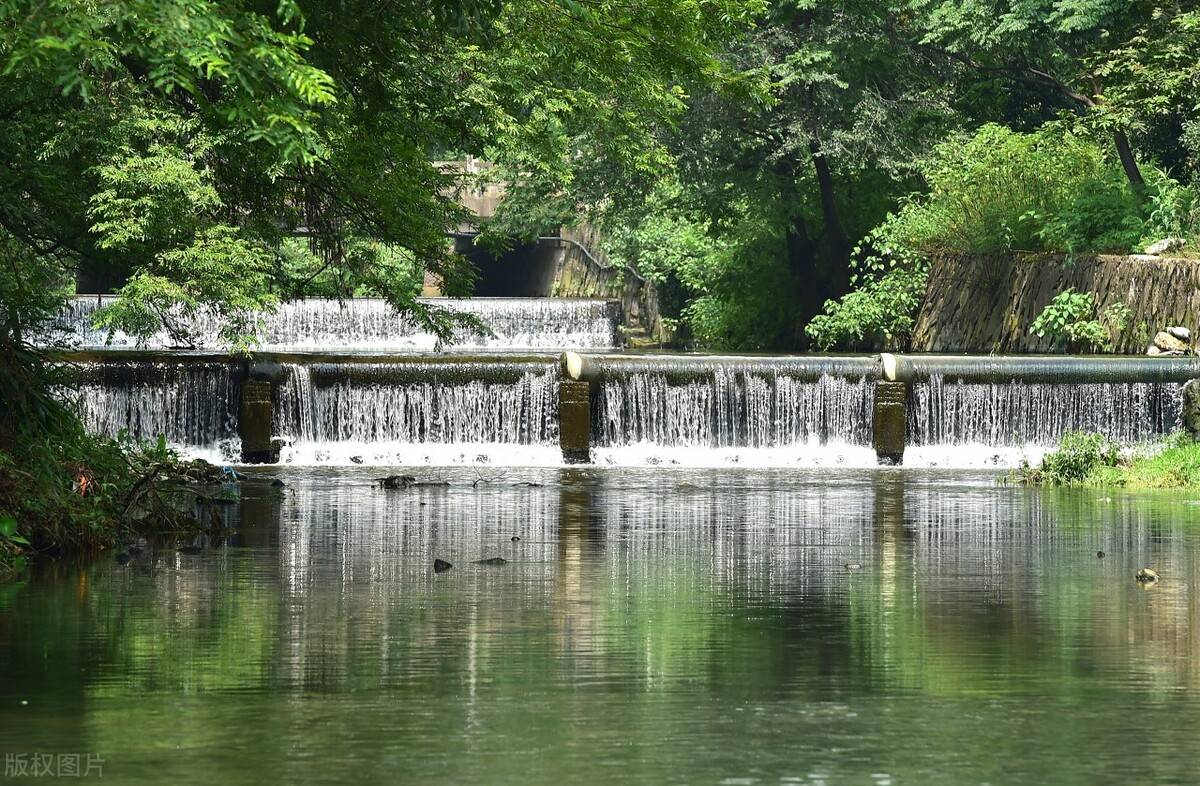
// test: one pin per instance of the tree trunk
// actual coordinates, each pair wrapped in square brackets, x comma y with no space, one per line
[1129,163]
[838,245]
[806,281]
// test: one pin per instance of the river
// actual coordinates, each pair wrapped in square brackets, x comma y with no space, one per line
[661,626]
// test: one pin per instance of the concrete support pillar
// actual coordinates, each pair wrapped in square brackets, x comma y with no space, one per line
[254,423]
[575,421]
[890,421]
[1191,408]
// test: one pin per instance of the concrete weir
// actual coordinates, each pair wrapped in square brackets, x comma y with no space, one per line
[891,378]
[588,401]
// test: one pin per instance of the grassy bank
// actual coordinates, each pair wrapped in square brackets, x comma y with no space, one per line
[63,490]
[1086,459]
[80,493]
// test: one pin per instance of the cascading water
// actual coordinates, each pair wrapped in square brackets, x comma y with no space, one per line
[192,405]
[371,324]
[419,412]
[731,414]
[949,420]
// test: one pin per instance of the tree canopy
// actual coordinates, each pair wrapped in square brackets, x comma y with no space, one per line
[183,146]
[223,154]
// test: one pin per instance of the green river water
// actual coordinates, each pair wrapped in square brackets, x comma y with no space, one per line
[651,626]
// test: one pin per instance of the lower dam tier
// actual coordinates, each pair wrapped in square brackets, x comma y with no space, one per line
[624,408]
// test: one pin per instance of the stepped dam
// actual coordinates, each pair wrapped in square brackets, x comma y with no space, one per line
[351,383]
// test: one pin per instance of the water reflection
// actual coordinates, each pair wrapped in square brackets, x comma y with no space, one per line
[649,627]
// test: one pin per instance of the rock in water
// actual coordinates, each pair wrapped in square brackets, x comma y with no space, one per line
[277,483]
[515,538]
[492,561]
[1099,555]
[357,459]
[1167,343]
[441,566]
[1153,350]
[396,481]
[1145,575]
[853,566]
[1180,332]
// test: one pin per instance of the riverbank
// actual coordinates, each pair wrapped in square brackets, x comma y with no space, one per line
[1088,459]
[81,493]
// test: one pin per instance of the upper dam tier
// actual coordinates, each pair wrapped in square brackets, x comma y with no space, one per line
[365,325]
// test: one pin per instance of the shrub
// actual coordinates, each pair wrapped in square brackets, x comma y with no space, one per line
[1174,210]
[1078,455]
[879,313]
[1089,459]
[1070,320]
[997,190]
[1000,190]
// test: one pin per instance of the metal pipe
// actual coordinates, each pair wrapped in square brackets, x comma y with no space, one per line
[597,367]
[302,358]
[1058,369]
[481,370]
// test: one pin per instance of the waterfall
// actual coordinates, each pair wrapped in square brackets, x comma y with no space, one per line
[1016,413]
[733,408]
[191,404]
[729,410]
[371,324]
[294,411]
[385,410]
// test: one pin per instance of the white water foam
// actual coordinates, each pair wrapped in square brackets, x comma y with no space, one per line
[395,454]
[647,454]
[370,324]
[373,419]
[734,408]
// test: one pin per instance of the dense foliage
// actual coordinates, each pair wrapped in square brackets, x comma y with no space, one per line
[996,191]
[1053,125]
[737,151]
[783,170]
[175,148]
[62,489]
[1072,322]
[1090,459]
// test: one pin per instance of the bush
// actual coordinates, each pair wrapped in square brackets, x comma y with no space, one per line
[1070,320]
[63,489]
[1078,455]
[881,313]
[995,191]
[1091,460]
[1001,190]
[736,291]
[1174,210]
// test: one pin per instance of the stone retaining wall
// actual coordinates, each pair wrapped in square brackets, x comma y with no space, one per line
[986,303]
[582,271]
